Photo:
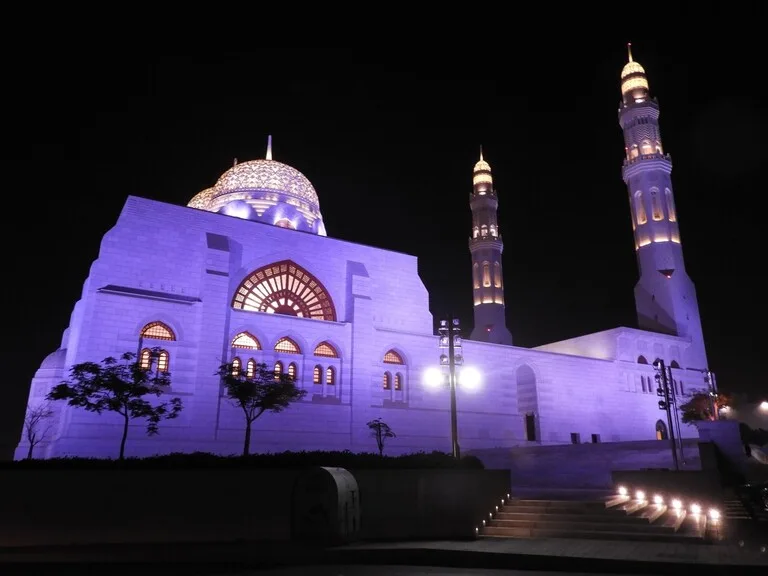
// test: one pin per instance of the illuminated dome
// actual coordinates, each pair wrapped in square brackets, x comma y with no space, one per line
[265,190]
[482,175]
[634,83]
[202,199]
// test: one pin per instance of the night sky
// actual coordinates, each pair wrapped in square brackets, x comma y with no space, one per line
[389,142]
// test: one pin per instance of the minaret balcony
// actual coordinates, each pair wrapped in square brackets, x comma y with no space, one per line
[485,242]
[645,162]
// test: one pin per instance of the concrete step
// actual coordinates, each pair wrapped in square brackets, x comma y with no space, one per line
[569,526]
[572,511]
[497,532]
[607,517]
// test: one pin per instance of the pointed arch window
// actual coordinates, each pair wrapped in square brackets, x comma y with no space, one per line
[157,331]
[497,274]
[493,230]
[163,361]
[330,376]
[287,346]
[646,147]
[284,288]
[292,370]
[317,375]
[640,214]
[236,366]
[486,274]
[326,350]
[386,383]
[250,371]
[656,209]
[145,359]
[398,381]
[393,357]
[247,341]
[670,205]
[278,369]
[484,230]
[476,275]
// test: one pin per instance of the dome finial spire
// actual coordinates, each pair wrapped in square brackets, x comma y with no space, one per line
[481,152]
[629,51]
[269,147]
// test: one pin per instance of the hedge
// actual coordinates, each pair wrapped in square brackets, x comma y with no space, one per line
[280,460]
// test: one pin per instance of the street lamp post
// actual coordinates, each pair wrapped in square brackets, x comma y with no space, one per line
[666,404]
[450,337]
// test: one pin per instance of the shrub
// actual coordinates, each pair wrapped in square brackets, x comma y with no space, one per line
[280,460]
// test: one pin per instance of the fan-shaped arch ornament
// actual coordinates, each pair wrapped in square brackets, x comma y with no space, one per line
[284,288]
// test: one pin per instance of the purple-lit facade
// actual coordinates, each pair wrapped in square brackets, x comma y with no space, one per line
[246,272]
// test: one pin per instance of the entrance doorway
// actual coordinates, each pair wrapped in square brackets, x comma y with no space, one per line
[661,431]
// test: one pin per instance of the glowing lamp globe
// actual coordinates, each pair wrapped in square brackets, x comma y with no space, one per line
[433,377]
[469,379]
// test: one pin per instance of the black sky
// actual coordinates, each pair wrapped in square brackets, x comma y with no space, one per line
[389,138]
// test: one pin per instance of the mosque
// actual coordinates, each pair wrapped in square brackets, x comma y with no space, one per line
[246,273]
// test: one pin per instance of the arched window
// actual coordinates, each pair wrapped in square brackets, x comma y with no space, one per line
[317,375]
[285,223]
[640,214]
[493,230]
[646,147]
[475,232]
[641,360]
[163,361]
[251,369]
[285,288]
[157,331]
[486,274]
[145,359]
[325,350]
[236,366]
[398,381]
[287,346]
[670,205]
[393,357]
[246,340]
[476,275]
[292,370]
[330,376]
[497,275]
[278,369]
[386,383]
[661,430]
[484,230]
[656,209]
[633,153]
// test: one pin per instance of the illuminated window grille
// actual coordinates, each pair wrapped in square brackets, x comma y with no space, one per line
[287,346]
[476,275]
[393,357]
[657,210]
[670,205]
[326,350]
[157,331]
[236,366]
[292,370]
[163,361]
[251,370]
[387,381]
[278,369]
[247,341]
[640,214]
[398,381]
[317,375]
[145,359]
[497,275]
[330,376]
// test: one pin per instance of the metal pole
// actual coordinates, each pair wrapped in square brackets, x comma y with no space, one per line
[677,415]
[665,384]
[452,381]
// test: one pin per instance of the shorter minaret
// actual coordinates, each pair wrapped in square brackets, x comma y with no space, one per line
[486,247]
[665,296]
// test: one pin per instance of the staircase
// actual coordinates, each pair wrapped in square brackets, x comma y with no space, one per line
[615,518]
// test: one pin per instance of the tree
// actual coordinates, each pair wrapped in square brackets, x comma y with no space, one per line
[35,426]
[263,391]
[701,406]
[380,430]
[119,386]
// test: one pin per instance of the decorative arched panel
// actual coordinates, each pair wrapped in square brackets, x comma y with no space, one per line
[157,331]
[285,288]
[392,357]
[326,350]
[246,340]
[287,346]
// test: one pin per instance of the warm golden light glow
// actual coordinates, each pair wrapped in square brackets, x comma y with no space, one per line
[392,357]
[157,331]
[482,178]
[634,83]
[287,346]
[202,200]
[267,175]
[326,350]
[247,341]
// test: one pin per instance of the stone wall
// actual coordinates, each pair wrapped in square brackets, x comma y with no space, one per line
[583,465]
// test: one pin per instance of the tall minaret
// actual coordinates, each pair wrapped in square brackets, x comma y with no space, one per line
[486,247]
[665,296]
